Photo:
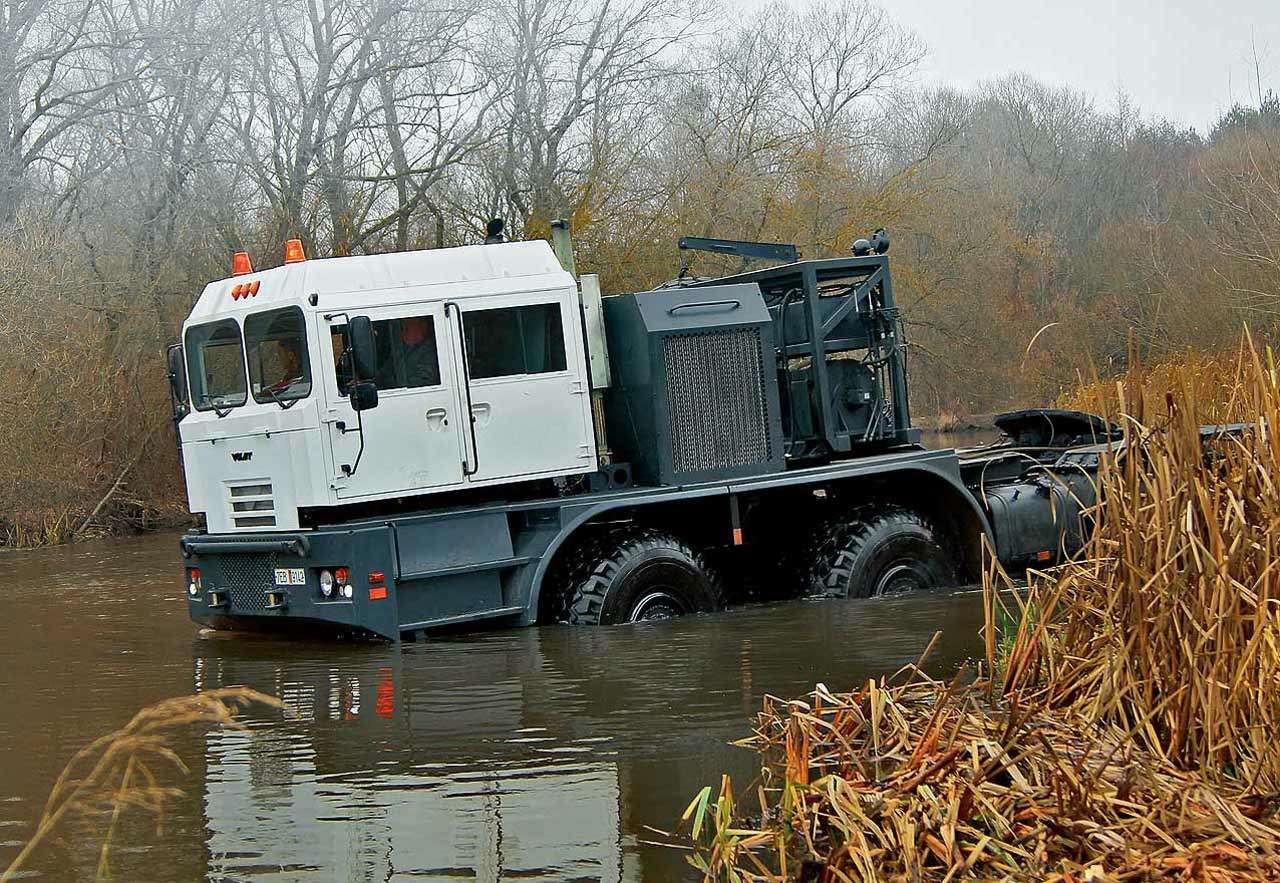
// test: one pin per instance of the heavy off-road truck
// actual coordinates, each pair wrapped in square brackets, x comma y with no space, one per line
[393,444]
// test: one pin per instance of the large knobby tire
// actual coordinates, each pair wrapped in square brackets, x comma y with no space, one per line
[635,574]
[879,550]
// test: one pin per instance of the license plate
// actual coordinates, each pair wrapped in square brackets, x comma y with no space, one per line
[291,576]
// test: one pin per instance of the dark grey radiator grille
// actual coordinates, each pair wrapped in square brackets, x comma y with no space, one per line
[717,405]
[247,578]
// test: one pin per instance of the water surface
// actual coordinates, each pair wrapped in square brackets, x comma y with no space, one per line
[541,753]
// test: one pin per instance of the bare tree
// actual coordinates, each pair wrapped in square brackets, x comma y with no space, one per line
[1242,189]
[51,81]
[568,66]
[843,53]
[730,125]
[348,115]
[433,104]
[294,105]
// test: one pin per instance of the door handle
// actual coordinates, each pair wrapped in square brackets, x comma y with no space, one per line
[480,413]
[437,418]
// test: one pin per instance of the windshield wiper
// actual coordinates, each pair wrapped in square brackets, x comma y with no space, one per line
[285,404]
[209,400]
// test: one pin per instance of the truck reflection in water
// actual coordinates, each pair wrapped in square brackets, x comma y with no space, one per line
[542,753]
[372,775]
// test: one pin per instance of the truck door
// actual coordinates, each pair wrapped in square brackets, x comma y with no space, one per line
[527,385]
[413,439]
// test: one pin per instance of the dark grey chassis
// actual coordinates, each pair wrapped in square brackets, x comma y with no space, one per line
[489,563]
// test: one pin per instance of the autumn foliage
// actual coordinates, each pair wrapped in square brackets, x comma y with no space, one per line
[1035,232]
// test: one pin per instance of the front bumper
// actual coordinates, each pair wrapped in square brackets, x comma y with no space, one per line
[239,589]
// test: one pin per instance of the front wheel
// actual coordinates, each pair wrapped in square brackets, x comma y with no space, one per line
[637,574]
[879,550]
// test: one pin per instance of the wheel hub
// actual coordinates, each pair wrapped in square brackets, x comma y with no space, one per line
[901,578]
[655,606]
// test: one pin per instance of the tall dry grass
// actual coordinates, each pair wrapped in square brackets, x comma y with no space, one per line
[1123,727]
[1169,625]
[128,770]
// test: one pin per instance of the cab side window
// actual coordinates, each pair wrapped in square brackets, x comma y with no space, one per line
[406,354]
[514,340]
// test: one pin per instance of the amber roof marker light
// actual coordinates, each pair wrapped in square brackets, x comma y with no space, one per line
[293,253]
[240,264]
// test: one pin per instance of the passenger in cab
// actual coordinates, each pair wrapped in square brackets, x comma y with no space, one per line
[292,377]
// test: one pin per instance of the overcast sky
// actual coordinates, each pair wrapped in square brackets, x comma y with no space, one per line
[1182,59]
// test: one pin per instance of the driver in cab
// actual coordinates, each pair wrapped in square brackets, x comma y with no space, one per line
[418,364]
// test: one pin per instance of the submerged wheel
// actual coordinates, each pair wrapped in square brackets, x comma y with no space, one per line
[636,574]
[879,550]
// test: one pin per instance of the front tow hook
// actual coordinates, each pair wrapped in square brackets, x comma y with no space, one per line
[277,600]
[217,598]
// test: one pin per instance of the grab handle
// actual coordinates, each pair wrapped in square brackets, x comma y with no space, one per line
[470,465]
[731,304]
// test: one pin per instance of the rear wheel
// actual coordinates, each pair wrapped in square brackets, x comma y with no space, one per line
[879,550]
[636,574]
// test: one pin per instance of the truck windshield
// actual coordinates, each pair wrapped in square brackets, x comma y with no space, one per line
[215,365]
[279,370]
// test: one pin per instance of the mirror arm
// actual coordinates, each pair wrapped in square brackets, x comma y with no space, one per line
[349,471]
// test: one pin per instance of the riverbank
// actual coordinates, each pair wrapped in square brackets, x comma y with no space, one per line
[1121,725]
[105,486]
[39,527]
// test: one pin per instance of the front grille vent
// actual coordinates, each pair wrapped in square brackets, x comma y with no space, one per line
[717,405]
[252,504]
[248,577]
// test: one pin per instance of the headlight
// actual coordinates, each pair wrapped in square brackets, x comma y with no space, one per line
[193,588]
[326,583]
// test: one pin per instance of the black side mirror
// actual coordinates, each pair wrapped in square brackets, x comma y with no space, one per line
[174,358]
[360,335]
[364,395]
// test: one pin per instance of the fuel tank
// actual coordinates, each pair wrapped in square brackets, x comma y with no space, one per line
[1040,519]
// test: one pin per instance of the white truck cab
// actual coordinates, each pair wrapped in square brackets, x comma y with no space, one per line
[477,357]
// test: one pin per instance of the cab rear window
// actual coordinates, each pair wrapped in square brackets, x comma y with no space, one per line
[215,366]
[514,340]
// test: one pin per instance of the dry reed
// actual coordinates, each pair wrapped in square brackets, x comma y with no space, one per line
[1123,727]
[126,769]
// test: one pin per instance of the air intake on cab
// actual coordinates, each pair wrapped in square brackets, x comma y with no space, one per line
[695,385]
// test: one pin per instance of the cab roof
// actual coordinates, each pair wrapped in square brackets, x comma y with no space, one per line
[291,283]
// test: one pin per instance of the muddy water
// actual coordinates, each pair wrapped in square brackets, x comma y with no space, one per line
[539,753]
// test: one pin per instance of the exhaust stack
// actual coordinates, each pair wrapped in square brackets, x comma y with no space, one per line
[562,244]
